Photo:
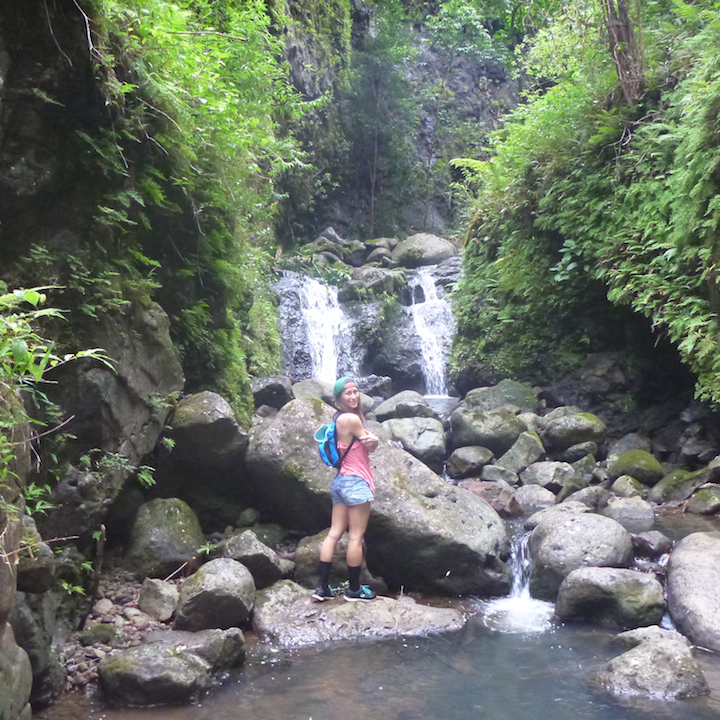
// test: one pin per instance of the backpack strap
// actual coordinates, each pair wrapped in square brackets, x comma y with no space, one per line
[344,455]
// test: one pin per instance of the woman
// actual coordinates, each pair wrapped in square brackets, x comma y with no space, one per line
[352,492]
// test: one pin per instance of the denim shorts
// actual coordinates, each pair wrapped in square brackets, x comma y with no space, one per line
[350,490]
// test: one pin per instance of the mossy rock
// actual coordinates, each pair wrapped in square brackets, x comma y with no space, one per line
[563,432]
[638,464]
[679,485]
[102,634]
[706,501]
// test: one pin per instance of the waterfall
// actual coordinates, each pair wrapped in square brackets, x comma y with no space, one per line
[317,335]
[435,326]
[518,612]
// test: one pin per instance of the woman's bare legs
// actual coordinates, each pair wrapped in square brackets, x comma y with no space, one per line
[338,525]
[357,516]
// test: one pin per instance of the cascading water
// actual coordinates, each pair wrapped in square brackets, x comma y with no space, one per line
[435,326]
[518,612]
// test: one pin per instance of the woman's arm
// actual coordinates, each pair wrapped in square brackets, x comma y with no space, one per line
[349,426]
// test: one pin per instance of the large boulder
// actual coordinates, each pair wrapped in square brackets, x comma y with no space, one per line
[285,615]
[36,564]
[313,388]
[468,461]
[262,561]
[533,497]
[562,432]
[693,582]
[423,534]
[165,535]
[704,501]
[16,676]
[526,450]
[274,391]
[679,485]
[423,249]
[611,596]
[632,513]
[506,392]
[638,464]
[497,430]
[561,544]
[369,280]
[158,599]
[220,594]
[423,437]
[548,474]
[405,404]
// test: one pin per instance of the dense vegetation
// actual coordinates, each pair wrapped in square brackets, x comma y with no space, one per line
[603,184]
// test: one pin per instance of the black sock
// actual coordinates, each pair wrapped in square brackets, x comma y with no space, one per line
[354,576]
[324,573]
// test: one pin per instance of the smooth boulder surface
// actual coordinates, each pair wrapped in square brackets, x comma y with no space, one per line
[497,430]
[678,485]
[559,545]
[405,404]
[422,249]
[548,474]
[262,561]
[562,432]
[286,616]
[526,450]
[611,596]
[158,599]
[165,535]
[219,595]
[705,500]
[533,497]
[16,677]
[555,513]
[639,464]
[694,588]
[632,513]
[424,534]
[422,437]
[468,461]
[506,392]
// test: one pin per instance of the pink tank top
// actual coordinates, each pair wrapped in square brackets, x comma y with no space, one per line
[357,462]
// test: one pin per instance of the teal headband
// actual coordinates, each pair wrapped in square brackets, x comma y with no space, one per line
[340,383]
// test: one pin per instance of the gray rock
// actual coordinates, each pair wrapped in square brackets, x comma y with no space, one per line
[36,562]
[16,675]
[639,464]
[693,582]
[497,430]
[633,513]
[248,518]
[559,545]
[221,649]
[573,485]
[651,544]
[368,280]
[578,452]
[463,540]
[704,501]
[262,561]
[610,596]
[285,616]
[533,497]
[560,433]
[548,473]
[405,404]
[312,388]
[679,485]
[499,494]
[533,422]
[468,461]
[555,513]
[158,599]
[654,633]
[423,437]
[219,595]
[422,249]
[495,473]
[274,391]
[631,441]
[661,670]
[626,486]
[586,465]
[165,535]
[526,450]
[506,392]
[595,497]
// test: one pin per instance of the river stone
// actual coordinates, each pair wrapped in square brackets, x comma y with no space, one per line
[36,564]
[158,598]
[693,582]
[495,473]
[205,431]
[679,485]
[468,461]
[506,392]
[559,545]
[263,562]
[423,437]
[16,675]
[423,249]
[653,633]
[221,649]
[313,388]
[610,596]
[497,430]
[632,513]
[423,534]
[286,616]
[498,493]
[405,404]
[368,280]
[573,485]
[578,452]
[595,497]
[219,595]
[704,501]
[631,441]
[532,497]
[165,535]
[561,433]
[626,486]
[569,507]
[652,544]
[639,464]
[274,391]
[661,670]
[526,450]
[548,474]
[378,255]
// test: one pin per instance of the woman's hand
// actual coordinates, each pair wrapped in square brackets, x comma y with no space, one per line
[370,441]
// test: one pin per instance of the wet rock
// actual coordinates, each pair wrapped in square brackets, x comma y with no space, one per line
[423,437]
[497,430]
[285,616]
[573,485]
[262,561]
[158,599]
[526,450]
[595,497]
[569,507]
[548,474]
[639,464]
[610,596]
[559,545]
[165,535]
[679,485]
[560,433]
[499,494]
[577,452]
[405,404]
[693,582]
[506,392]
[463,540]
[632,513]
[221,649]
[653,633]
[468,461]
[533,497]
[705,500]
[422,249]
[652,544]
[368,280]
[495,473]
[219,595]
[274,391]
[626,486]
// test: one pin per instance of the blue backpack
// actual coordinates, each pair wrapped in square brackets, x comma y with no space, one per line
[327,446]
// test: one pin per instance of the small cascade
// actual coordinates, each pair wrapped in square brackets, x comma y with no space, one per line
[435,326]
[518,612]
[317,335]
